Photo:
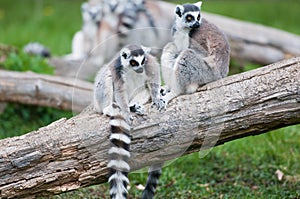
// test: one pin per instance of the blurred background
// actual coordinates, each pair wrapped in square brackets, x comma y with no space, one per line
[243,168]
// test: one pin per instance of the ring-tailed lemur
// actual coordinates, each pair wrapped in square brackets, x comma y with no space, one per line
[128,13]
[86,40]
[122,86]
[199,54]
[141,32]
[35,48]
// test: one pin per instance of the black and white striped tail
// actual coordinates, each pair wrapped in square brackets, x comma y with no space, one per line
[118,157]
[129,19]
[151,21]
[152,181]
[127,22]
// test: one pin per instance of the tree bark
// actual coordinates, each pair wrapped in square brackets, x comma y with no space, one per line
[69,154]
[45,90]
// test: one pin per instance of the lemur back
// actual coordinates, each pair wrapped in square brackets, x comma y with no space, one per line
[119,87]
[210,41]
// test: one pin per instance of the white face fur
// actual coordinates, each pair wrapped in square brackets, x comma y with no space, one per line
[119,6]
[134,62]
[188,16]
[91,12]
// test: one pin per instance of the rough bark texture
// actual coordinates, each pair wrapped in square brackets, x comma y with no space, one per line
[44,90]
[69,154]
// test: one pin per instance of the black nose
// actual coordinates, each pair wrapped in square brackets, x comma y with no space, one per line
[139,70]
[113,7]
[93,15]
[196,24]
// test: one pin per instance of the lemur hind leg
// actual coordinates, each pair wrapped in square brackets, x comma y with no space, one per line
[190,71]
[168,58]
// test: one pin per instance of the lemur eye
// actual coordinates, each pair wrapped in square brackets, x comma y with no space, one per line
[198,18]
[133,63]
[189,18]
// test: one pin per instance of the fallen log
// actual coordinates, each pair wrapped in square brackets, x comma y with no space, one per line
[45,90]
[69,154]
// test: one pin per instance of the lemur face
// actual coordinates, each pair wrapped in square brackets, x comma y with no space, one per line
[188,15]
[134,59]
[112,4]
[91,12]
[120,6]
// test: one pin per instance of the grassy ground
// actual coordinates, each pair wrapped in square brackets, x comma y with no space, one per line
[243,168]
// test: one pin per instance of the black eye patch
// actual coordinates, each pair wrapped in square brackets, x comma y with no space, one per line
[143,62]
[189,18]
[198,18]
[133,63]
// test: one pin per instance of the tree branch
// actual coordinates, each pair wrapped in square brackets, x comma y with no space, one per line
[45,90]
[69,154]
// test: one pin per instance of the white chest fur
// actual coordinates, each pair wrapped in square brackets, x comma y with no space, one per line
[135,83]
[90,29]
[181,40]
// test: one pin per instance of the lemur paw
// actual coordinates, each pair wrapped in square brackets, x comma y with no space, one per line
[164,91]
[160,104]
[138,109]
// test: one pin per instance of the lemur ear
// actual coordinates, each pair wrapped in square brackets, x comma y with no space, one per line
[198,4]
[146,49]
[84,6]
[179,10]
[125,53]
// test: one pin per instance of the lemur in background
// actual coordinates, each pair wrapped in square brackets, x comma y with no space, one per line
[128,13]
[199,54]
[124,85]
[87,39]
[133,21]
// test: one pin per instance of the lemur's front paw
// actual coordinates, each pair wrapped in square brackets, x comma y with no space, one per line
[160,104]
[164,91]
[138,109]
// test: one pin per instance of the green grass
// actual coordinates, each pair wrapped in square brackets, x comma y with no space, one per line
[50,22]
[244,168]
[20,119]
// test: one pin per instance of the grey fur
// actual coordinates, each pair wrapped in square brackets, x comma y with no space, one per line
[35,48]
[196,56]
[129,80]
[126,85]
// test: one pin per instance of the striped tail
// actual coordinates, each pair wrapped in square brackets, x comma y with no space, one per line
[151,21]
[127,21]
[118,157]
[152,181]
